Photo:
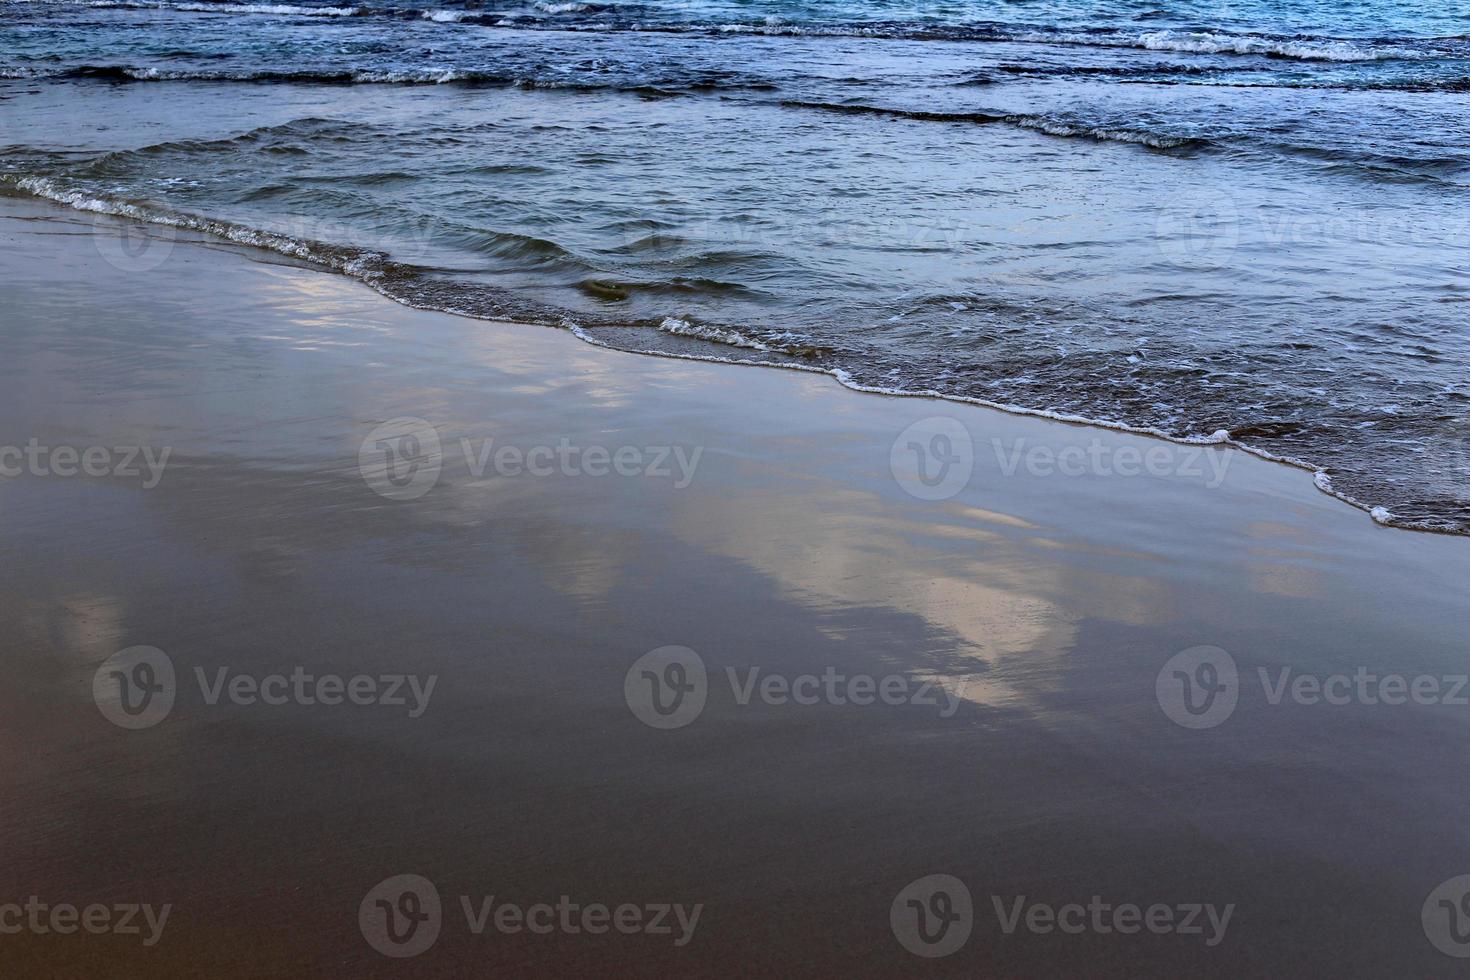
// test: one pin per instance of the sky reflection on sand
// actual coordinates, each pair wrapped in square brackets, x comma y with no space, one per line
[793,550]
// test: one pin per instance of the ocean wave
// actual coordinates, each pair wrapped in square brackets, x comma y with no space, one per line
[423,76]
[1041,124]
[358,262]
[1457,84]
[1055,127]
[1300,48]
[659,87]
[603,18]
[277,9]
[719,335]
[404,283]
[1427,167]
[365,76]
[858,109]
[410,286]
[1199,42]
[1218,76]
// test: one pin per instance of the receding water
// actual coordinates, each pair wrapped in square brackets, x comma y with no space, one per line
[1197,218]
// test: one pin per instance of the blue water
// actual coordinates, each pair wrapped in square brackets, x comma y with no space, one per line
[1199,218]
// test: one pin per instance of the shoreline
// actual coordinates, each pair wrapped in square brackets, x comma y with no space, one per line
[354,269]
[1001,648]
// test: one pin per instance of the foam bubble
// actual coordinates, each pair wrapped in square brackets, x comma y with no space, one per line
[720,335]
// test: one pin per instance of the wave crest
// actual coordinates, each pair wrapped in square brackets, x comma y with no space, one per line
[1041,124]
[278,9]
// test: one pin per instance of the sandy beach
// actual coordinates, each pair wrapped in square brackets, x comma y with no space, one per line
[910,638]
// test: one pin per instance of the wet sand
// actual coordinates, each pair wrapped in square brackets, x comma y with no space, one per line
[1046,765]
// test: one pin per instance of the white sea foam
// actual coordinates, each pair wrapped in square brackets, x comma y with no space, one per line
[1188,42]
[1213,42]
[445,16]
[438,76]
[353,264]
[775,26]
[1053,127]
[719,335]
[1323,50]
[278,9]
